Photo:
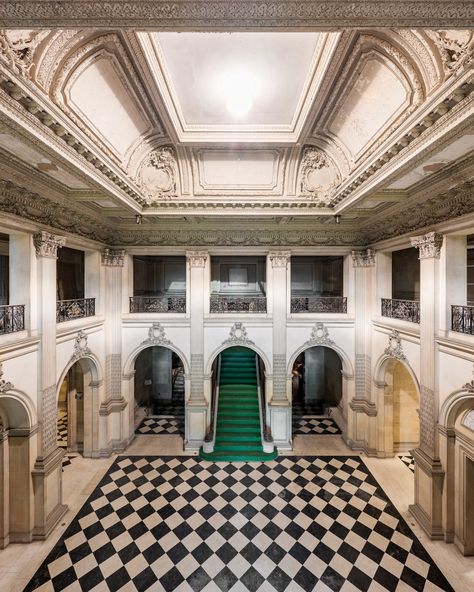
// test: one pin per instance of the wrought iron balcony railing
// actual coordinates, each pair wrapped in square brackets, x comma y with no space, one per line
[406,310]
[220,303]
[325,304]
[158,304]
[12,318]
[462,319]
[68,310]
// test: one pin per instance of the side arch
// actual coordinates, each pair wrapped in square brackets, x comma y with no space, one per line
[128,367]
[17,409]
[347,367]
[94,367]
[381,368]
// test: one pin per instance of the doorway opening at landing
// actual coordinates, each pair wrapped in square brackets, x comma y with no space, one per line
[316,390]
[159,387]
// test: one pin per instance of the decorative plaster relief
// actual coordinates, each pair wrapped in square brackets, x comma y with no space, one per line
[428,244]
[157,177]
[17,47]
[279,258]
[238,335]
[197,258]
[456,47]
[156,335]
[47,244]
[4,385]
[469,387]
[81,349]
[319,336]
[318,176]
[394,348]
[427,420]
[363,258]
[113,257]
[468,420]
[49,419]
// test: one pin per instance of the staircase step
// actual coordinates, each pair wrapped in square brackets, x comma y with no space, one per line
[242,456]
[231,435]
[238,445]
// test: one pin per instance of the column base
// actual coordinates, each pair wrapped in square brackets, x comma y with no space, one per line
[427,509]
[195,425]
[280,423]
[47,480]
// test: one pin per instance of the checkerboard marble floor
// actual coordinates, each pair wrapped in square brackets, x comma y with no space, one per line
[294,524]
[407,460]
[315,425]
[161,425]
[62,429]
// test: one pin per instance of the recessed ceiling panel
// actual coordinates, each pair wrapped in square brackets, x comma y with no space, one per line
[238,78]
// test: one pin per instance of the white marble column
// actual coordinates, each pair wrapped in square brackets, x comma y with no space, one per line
[196,406]
[4,488]
[47,473]
[362,410]
[428,470]
[119,431]
[280,407]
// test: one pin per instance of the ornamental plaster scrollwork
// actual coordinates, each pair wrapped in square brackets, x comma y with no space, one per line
[238,335]
[319,336]
[456,47]
[469,387]
[113,257]
[394,348]
[81,349]
[428,244]
[47,244]
[156,336]
[363,258]
[157,177]
[4,385]
[468,420]
[17,47]
[318,176]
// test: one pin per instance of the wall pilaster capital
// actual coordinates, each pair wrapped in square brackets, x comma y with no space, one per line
[47,244]
[113,257]
[197,258]
[429,245]
[279,258]
[364,258]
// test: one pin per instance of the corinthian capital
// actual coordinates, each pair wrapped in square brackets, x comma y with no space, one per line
[46,244]
[279,258]
[113,258]
[363,258]
[197,258]
[429,245]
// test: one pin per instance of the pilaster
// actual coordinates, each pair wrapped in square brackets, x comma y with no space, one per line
[428,473]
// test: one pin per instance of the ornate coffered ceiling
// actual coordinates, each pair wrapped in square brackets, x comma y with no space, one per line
[374,125]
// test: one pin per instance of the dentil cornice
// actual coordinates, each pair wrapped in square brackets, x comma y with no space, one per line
[235,14]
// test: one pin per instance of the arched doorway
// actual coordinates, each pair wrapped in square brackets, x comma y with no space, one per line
[316,388]
[17,451]
[159,390]
[77,424]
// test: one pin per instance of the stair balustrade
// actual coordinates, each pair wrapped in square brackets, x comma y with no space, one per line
[210,439]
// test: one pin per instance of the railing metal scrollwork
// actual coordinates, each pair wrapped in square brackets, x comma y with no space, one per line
[324,304]
[79,308]
[406,310]
[462,319]
[157,304]
[220,303]
[12,318]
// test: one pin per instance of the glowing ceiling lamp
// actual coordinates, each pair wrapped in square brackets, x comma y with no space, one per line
[238,88]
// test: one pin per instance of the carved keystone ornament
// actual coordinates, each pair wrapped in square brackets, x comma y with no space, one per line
[238,335]
[156,335]
[394,348]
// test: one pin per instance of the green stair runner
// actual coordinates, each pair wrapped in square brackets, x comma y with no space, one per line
[238,436]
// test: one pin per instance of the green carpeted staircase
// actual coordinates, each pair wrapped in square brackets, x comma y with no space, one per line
[238,435]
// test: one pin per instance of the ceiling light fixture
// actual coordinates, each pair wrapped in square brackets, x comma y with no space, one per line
[337,218]
[238,88]
[138,218]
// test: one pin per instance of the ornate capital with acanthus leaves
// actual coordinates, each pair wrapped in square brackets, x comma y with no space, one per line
[197,258]
[363,258]
[279,258]
[429,245]
[113,258]
[46,244]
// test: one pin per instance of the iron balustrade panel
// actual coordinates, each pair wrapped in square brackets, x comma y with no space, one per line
[406,310]
[157,304]
[12,318]
[324,304]
[68,310]
[462,319]
[238,303]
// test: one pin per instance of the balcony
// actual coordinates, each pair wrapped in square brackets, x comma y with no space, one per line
[405,310]
[69,310]
[167,304]
[321,304]
[12,318]
[237,304]
[462,319]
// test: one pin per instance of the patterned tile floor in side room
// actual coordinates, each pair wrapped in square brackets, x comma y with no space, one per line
[407,459]
[294,524]
[67,459]
[161,425]
[62,429]
[315,425]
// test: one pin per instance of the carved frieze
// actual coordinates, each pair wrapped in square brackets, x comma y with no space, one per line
[456,47]
[47,244]
[113,257]
[156,335]
[17,47]
[429,245]
[4,385]
[319,336]
[394,348]
[364,258]
[318,176]
[81,349]
[157,176]
[238,335]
